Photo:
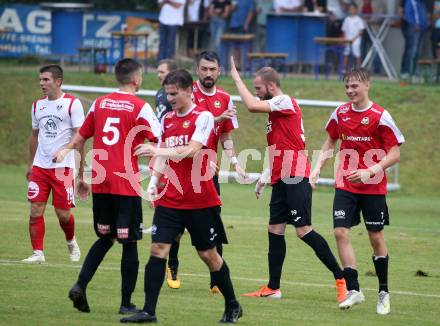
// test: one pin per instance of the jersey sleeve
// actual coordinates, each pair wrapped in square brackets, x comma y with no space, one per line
[204,126]
[281,104]
[88,127]
[146,117]
[34,118]
[332,126]
[230,124]
[77,113]
[391,135]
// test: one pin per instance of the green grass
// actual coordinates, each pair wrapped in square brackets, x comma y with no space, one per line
[37,295]
[415,109]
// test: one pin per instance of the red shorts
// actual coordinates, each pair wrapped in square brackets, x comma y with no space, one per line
[59,180]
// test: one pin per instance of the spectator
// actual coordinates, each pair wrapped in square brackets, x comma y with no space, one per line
[219,11]
[315,6]
[241,17]
[288,5]
[170,18]
[353,27]
[263,8]
[435,36]
[337,7]
[414,25]
[196,11]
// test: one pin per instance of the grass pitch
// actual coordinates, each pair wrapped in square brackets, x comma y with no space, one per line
[37,294]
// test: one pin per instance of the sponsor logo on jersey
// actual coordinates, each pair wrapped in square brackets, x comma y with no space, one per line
[201,99]
[339,215]
[59,107]
[365,121]
[117,105]
[268,126]
[33,190]
[186,124]
[217,104]
[356,138]
[122,233]
[168,126]
[346,119]
[174,141]
[50,125]
[344,110]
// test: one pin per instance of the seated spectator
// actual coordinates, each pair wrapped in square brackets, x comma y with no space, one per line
[315,6]
[353,28]
[285,6]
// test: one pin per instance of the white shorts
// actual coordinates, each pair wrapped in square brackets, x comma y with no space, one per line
[354,48]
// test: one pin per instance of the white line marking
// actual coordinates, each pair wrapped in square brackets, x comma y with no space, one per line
[6,262]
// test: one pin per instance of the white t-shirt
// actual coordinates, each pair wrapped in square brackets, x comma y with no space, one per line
[352,26]
[55,121]
[172,16]
[278,4]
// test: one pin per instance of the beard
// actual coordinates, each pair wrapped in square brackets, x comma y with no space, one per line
[208,82]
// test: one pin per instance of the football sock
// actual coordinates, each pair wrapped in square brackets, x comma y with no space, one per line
[68,227]
[381,267]
[219,248]
[351,279]
[323,252]
[153,280]
[276,255]
[173,260]
[36,232]
[94,257]
[223,280]
[129,271]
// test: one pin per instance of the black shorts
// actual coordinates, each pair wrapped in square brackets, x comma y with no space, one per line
[291,203]
[204,226]
[117,216]
[347,207]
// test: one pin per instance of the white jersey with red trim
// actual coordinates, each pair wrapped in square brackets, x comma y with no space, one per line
[55,121]
[286,140]
[366,136]
[118,122]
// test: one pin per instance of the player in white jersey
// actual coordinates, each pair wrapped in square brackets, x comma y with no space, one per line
[55,118]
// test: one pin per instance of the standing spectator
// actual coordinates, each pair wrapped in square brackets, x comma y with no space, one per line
[219,11]
[263,8]
[55,119]
[435,36]
[315,6]
[414,25]
[353,27]
[337,7]
[241,17]
[288,5]
[170,18]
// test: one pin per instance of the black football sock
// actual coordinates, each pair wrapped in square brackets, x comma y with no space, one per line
[223,280]
[173,260]
[323,252]
[94,257]
[153,280]
[351,278]
[276,255]
[219,248]
[381,267]
[129,271]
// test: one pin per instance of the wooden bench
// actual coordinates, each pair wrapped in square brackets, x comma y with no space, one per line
[430,69]
[241,41]
[335,45]
[264,57]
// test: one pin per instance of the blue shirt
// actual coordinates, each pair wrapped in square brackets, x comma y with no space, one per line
[415,13]
[239,15]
